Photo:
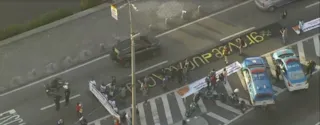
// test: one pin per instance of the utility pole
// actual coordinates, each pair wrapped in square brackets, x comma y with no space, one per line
[133,69]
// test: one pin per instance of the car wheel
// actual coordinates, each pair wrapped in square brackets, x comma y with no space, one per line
[272,8]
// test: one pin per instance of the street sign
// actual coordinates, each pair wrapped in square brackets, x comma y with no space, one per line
[114,12]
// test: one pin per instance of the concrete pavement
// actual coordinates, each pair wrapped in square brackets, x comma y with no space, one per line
[34,101]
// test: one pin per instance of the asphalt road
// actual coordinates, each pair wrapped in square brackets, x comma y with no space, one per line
[81,38]
[32,101]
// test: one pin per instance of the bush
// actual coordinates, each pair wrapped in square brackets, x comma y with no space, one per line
[86,4]
[40,21]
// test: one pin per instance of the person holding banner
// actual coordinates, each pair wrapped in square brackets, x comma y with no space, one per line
[225,53]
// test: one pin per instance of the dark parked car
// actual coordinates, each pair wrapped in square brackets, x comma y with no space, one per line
[145,46]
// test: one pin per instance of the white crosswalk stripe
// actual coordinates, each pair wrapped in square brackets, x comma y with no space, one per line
[142,114]
[167,109]
[173,103]
[220,118]
[154,111]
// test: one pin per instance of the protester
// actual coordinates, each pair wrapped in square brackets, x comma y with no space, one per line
[310,67]
[57,99]
[208,82]
[79,110]
[66,94]
[179,75]
[225,53]
[241,45]
[284,34]
[60,122]
[278,72]
[300,25]
[185,70]
[284,14]
[225,74]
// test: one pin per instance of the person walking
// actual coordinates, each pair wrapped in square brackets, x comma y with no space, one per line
[196,98]
[278,72]
[179,75]
[79,110]
[241,45]
[144,87]
[225,53]
[284,34]
[225,74]
[60,122]
[311,66]
[208,82]
[67,95]
[57,99]
[300,25]
[284,14]
[185,70]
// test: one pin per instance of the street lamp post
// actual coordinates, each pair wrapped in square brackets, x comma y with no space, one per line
[133,69]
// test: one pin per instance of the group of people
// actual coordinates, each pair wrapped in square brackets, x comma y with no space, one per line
[311,66]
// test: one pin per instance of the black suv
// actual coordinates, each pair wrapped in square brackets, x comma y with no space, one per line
[145,46]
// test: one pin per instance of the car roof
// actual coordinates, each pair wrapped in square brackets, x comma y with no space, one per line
[264,85]
[253,60]
[140,41]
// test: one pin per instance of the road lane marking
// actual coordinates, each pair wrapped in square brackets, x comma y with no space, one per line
[167,109]
[206,17]
[237,34]
[49,106]
[181,105]
[311,5]
[277,89]
[302,56]
[228,87]
[150,67]
[227,107]
[142,114]
[154,112]
[317,45]
[317,123]
[218,117]
[202,107]
[11,117]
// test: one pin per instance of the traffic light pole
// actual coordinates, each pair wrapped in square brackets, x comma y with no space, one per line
[133,69]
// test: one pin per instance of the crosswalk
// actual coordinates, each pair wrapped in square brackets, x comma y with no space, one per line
[170,108]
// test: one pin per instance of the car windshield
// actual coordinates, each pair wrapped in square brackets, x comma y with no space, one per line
[296,75]
[286,55]
[258,76]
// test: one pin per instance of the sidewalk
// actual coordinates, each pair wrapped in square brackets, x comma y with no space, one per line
[62,44]
[197,120]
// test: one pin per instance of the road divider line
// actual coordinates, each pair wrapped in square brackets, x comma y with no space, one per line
[150,67]
[311,5]
[237,34]
[206,17]
[49,106]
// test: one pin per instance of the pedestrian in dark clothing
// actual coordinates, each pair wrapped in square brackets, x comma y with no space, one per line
[174,73]
[208,82]
[196,97]
[213,81]
[284,14]
[179,75]
[278,72]
[241,45]
[83,121]
[113,80]
[67,95]
[57,99]
[184,122]
[311,66]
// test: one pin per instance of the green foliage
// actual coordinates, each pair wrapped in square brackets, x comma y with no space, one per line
[86,4]
[40,21]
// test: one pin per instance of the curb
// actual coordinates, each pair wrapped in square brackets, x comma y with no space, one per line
[54,24]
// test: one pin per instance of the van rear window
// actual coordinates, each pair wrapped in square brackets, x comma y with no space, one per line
[264,96]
